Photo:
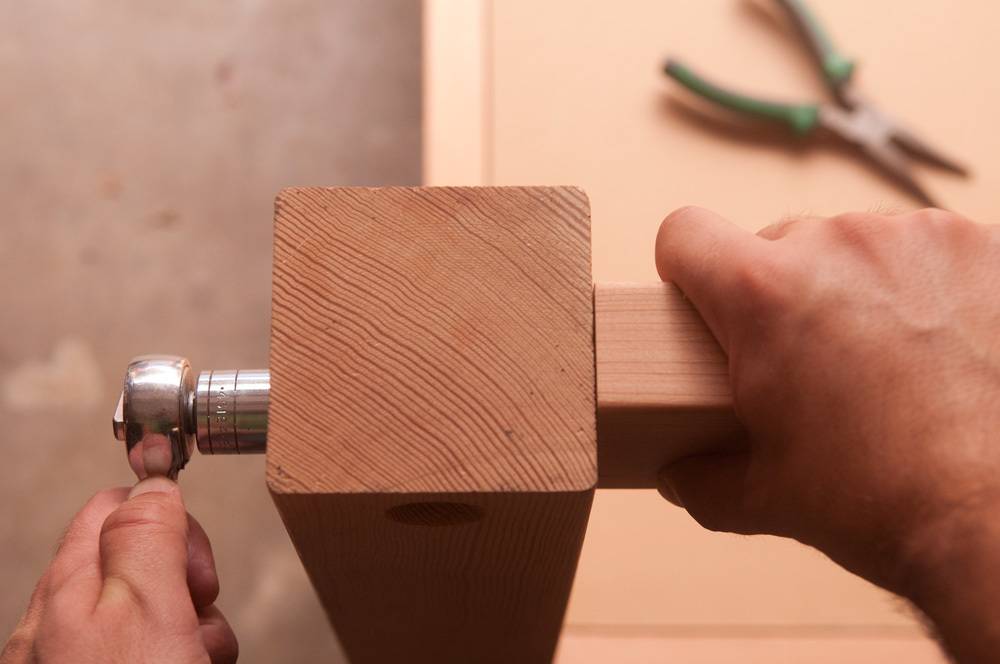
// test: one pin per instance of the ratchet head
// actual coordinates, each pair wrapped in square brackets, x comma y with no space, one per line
[163,412]
[154,417]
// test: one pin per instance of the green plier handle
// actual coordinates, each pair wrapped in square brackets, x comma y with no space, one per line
[801,118]
[836,68]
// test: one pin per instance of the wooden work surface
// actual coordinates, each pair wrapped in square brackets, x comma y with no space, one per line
[564,91]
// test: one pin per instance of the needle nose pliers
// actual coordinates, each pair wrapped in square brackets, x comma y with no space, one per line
[852,117]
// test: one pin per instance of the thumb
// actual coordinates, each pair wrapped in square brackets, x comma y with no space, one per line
[144,545]
[713,488]
[706,256]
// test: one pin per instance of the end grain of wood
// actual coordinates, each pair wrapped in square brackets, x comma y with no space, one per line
[432,339]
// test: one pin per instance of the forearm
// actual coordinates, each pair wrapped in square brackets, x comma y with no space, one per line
[952,578]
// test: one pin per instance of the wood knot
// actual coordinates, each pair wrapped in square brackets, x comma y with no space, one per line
[435,513]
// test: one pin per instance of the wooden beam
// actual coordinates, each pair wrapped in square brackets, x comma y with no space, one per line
[662,383]
[432,443]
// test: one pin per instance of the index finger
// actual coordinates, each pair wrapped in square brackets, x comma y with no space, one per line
[77,559]
[705,256]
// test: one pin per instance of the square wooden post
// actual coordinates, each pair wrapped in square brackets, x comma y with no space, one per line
[432,446]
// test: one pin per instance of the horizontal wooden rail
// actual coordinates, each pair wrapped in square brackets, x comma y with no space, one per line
[662,383]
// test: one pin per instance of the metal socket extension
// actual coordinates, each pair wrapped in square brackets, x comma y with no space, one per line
[163,413]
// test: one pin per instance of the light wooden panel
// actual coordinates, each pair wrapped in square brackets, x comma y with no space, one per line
[432,445]
[578,648]
[662,383]
[584,101]
[456,98]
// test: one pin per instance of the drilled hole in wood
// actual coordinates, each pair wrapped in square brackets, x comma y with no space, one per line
[435,513]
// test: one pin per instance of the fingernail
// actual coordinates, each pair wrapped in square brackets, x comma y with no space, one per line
[155,484]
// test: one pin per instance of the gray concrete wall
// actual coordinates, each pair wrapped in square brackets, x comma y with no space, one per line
[141,145]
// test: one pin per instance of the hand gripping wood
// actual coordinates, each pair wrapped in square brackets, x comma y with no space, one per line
[436,427]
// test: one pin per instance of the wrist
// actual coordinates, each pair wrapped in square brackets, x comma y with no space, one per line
[947,571]
[946,547]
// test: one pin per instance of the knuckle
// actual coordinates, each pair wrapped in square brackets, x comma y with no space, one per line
[20,647]
[854,225]
[139,515]
[868,233]
[944,228]
[229,652]
[943,225]
[935,218]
